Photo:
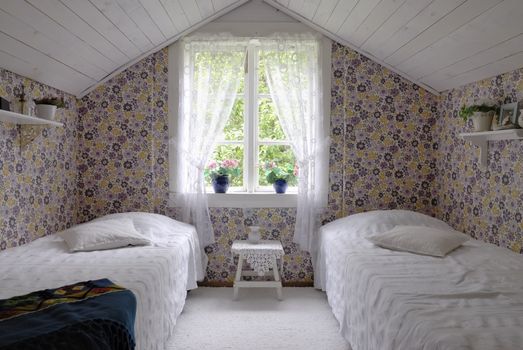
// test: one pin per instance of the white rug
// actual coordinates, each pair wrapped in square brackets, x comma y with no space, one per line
[257,320]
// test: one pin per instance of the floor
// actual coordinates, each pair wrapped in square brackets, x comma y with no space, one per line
[257,320]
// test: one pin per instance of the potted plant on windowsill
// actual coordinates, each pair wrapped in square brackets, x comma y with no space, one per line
[481,115]
[45,108]
[221,173]
[280,176]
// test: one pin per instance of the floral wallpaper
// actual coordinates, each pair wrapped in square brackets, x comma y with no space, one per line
[487,204]
[374,160]
[37,182]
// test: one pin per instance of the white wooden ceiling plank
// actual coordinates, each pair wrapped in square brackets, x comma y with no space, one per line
[102,24]
[339,14]
[221,4]
[113,12]
[206,7]
[135,11]
[383,11]
[504,65]
[191,11]
[490,55]
[306,8]
[430,15]
[175,12]
[460,16]
[57,11]
[26,69]
[324,12]
[358,15]
[500,23]
[41,22]
[67,78]
[160,16]
[406,12]
[23,32]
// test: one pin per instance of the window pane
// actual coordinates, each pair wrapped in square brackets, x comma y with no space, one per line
[233,130]
[263,88]
[220,160]
[269,127]
[282,157]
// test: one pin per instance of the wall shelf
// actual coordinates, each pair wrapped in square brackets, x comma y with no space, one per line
[481,140]
[29,127]
[22,119]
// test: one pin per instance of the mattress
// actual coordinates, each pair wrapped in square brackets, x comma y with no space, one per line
[159,275]
[383,299]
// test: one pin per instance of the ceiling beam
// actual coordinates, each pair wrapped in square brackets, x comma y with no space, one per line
[168,42]
[344,42]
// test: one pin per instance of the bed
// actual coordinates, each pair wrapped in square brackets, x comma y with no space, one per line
[159,275]
[384,299]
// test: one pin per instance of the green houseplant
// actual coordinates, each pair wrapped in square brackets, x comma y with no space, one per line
[280,176]
[481,115]
[46,107]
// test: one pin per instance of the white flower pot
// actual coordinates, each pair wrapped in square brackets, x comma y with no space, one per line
[45,111]
[482,120]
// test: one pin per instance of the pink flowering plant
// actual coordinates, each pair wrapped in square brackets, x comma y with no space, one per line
[227,167]
[287,172]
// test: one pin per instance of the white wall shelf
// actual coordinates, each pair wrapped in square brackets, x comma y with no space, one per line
[481,140]
[29,127]
[22,119]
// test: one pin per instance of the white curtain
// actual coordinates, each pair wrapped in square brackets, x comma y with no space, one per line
[210,71]
[294,75]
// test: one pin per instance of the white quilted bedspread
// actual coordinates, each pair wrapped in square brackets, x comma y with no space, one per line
[158,275]
[384,300]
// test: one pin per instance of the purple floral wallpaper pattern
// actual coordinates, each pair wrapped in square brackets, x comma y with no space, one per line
[394,145]
[374,160]
[487,204]
[37,183]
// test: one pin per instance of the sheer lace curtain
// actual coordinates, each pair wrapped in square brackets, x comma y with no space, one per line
[294,75]
[210,69]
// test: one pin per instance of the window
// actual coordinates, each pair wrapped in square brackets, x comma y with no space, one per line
[241,123]
[253,135]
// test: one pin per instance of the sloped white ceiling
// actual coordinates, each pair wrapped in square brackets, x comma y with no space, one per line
[75,45]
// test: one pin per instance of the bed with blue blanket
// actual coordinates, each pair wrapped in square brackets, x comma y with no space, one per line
[94,315]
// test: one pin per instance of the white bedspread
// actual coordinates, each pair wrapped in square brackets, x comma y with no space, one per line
[471,299]
[158,275]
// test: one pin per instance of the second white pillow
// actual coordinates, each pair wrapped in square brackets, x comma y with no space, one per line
[420,240]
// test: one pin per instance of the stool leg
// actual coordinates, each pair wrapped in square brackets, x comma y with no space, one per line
[238,276]
[277,277]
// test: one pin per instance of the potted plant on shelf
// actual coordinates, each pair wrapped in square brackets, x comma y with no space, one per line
[280,176]
[46,107]
[221,172]
[481,115]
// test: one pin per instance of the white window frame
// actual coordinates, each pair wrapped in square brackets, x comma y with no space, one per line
[251,196]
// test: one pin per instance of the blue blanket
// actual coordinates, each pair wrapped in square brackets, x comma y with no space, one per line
[92,315]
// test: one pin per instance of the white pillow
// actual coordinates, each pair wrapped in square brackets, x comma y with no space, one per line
[100,235]
[420,240]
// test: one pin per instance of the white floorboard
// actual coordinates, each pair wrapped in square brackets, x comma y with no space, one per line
[257,320]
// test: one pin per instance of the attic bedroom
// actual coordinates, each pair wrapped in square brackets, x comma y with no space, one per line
[261,174]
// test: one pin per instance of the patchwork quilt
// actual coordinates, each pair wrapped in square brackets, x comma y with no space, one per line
[94,315]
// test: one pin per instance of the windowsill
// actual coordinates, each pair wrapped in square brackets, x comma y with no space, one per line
[247,200]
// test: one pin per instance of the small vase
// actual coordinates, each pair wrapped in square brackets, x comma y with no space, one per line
[254,234]
[280,186]
[482,120]
[220,184]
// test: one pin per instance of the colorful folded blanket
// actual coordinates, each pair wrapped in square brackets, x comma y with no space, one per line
[91,315]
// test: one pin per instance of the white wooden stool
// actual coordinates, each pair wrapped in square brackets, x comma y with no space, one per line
[262,257]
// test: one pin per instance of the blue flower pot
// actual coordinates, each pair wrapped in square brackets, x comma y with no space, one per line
[220,184]
[280,186]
